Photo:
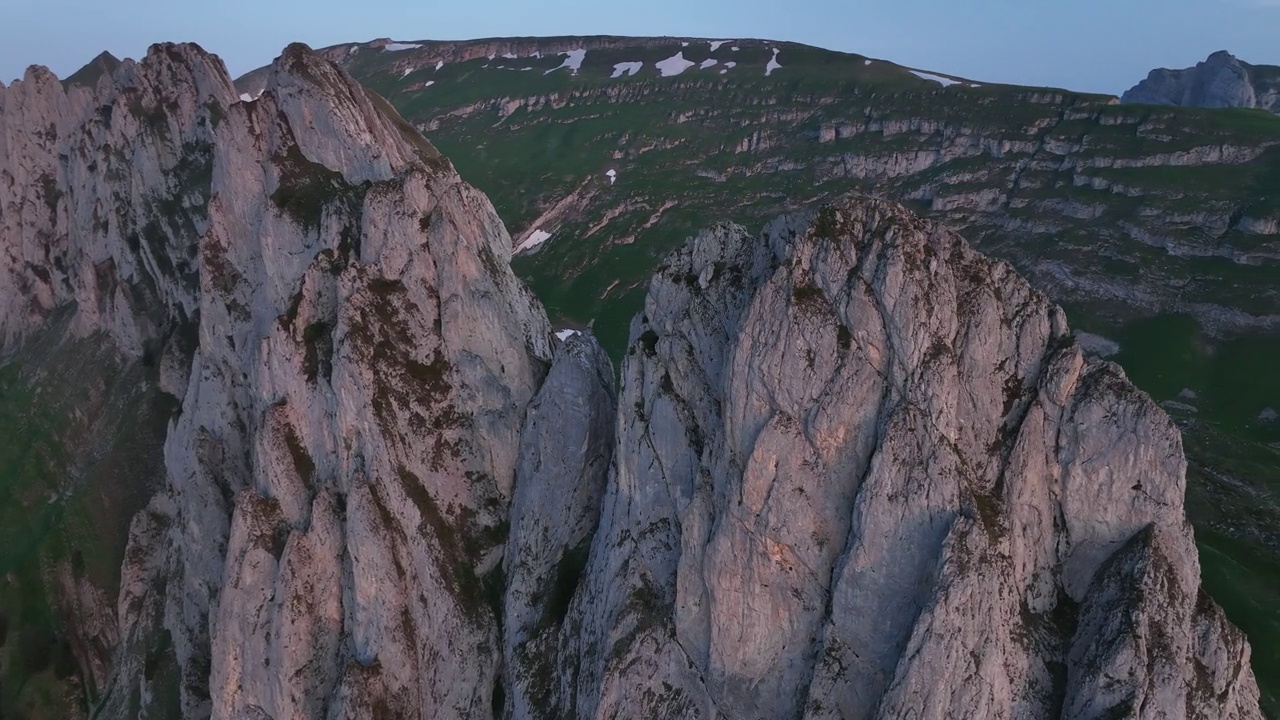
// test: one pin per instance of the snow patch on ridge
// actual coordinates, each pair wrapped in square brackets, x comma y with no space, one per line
[674,65]
[626,68]
[945,81]
[439,64]
[715,44]
[565,334]
[613,176]
[395,47]
[707,63]
[536,238]
[573,61]
[773,64]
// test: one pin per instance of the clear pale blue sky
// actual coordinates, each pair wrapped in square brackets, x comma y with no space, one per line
[1096,45]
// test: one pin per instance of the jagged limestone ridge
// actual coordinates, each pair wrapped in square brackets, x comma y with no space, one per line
[334,309]
[864,472]
[855,469]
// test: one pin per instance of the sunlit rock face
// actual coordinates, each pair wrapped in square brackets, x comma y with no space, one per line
[334,309]
[864,472]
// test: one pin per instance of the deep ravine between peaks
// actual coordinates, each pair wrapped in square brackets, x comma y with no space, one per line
[853,469]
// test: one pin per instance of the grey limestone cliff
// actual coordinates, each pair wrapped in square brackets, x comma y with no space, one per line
[864,472]
[853,469]
[334,311]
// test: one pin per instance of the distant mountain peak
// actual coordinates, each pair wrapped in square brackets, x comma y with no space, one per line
[104,64]
[1221,81]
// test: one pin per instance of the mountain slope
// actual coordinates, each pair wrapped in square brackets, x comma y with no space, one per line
[1221,81]
[88,76]
[1108,207]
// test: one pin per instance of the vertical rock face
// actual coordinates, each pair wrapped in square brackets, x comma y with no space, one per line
[348,443]
[104,194]
[565,455]
[864,472]
[335,310]
[854,470]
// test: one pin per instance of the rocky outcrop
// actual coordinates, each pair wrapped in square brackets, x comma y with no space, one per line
[854,468]
[334,309]
[565,455]
[1221,81]
[371,452]
[864,472]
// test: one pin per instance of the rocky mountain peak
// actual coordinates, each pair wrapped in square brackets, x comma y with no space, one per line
[853,469]
[853,415]
[104,64]
[1107,208]
[1220,81]
[305,276]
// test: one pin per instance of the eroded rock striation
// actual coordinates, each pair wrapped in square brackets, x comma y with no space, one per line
[864,472]
[334,309]
[853,469]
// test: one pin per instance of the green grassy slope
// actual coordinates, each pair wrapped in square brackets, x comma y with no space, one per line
[80,452]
